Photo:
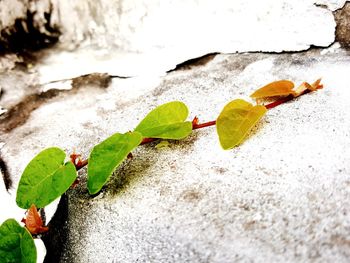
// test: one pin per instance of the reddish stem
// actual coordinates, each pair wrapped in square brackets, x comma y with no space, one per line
[81,164]
[283,100]
[203,125]
[147,140]
[278,102]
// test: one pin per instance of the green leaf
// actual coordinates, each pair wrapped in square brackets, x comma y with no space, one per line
[236,120]
[167,121]
[16,243]
[107,156]
[45,178]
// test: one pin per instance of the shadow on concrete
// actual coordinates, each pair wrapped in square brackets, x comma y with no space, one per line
[56,238]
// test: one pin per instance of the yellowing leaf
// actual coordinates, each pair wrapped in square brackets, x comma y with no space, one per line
[276,88]
[305,87]
[107,156]
[236,120]
[167,121]
[316,85]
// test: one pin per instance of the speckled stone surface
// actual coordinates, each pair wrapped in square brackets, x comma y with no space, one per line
[281,196]
[342,18]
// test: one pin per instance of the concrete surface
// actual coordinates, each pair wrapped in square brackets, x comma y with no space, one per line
[151,37]
[342,17]
[148,26]
[26,24]
[282,196]
[158,25]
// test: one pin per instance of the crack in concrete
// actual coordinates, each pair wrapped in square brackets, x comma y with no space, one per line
[194,62]
[19,113]
[98,79]
[324,6]
[5,174]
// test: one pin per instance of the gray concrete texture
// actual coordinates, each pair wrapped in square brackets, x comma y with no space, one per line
[342,18]
[153,27]
[281,196]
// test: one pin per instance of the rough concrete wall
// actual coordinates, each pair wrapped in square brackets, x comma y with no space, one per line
[26,25]
[281,196]
[343,26]
[11,10]
[122,37]
[151,37]
[198,26]
[220,26]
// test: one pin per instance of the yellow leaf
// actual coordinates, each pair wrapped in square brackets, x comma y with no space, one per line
[276,88]
[236,120]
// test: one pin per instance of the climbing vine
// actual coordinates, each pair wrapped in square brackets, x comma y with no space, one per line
[50,173]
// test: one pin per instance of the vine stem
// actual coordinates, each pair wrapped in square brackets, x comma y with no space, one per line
[283,100]
[196,126]
[79,164]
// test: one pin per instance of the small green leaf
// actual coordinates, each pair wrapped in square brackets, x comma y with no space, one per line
[162,144]
[16,243]
[167,121]
[107,156]
[45,178]
[236,120]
